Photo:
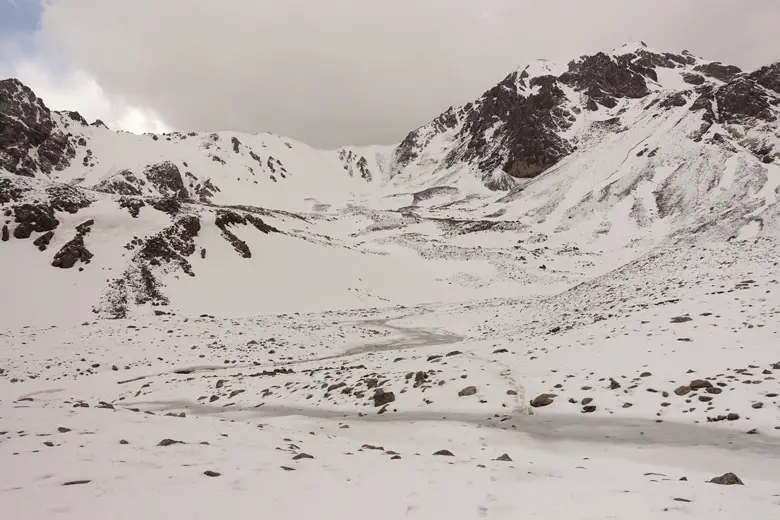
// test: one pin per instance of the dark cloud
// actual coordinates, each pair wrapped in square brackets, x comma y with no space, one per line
[332,72]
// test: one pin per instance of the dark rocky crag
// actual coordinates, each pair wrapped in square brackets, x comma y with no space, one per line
[517,126]
[226,218]
[26,126]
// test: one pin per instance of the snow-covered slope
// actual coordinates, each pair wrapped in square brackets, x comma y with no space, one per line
[596,161]
[557,301]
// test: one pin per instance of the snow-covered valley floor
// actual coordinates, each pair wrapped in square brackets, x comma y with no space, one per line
[658,376]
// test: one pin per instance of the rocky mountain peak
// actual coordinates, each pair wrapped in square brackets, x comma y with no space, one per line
[538,114]
[29,139]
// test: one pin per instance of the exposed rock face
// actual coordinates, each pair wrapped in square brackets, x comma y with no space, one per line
[173,244]
[719,71]
[226,218]
[29,140]
[11,191]
[604,79]
[123,182]
[71,253]
[34,218]
[205,190]
[743,98]
[166,178]
[170,206]
[355,164]
[693,79]
[63,197]
[42,242]
[133,205]
[677,99]
[768,77]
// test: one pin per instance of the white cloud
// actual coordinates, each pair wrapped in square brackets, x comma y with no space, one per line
[332,72]
[77,90]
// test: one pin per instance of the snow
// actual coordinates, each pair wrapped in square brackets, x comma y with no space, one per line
[634,283]
[543,67]
[563,463]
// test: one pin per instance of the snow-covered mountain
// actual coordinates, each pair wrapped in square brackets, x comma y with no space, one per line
[613,152]
[558,301]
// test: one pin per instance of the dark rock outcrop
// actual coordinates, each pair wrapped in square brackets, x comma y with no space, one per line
[604,79]
[167,179]
[166,205]
[173,244]
[71,253]
[42,242]
[768,77]
[31,218]
[205,190]
[226,218]
[64,197]
[719,71]
[743,98]
[132,205]
[123,182]
[693,79]
[29,140]
[11,190]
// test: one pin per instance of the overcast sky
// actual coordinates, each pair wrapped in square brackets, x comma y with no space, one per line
[332,72]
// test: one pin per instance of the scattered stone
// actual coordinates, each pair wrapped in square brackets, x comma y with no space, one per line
[589,409]
[682,390]
[302,456]
[62,429]
[542,400]
[76,482]
[727,479]
[382,397]
[444,453]
[504,458]
[169,442]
